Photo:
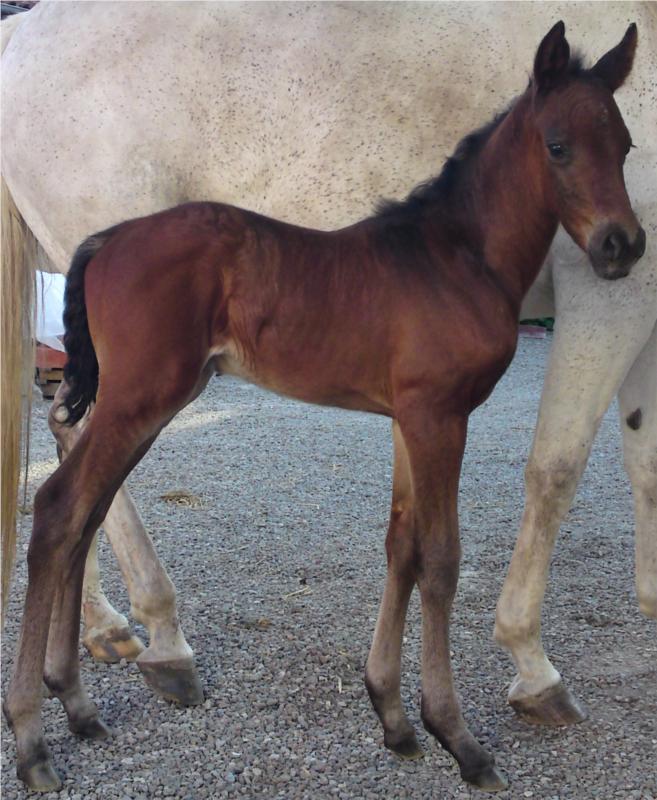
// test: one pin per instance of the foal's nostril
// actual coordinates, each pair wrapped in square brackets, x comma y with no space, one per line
[614,246]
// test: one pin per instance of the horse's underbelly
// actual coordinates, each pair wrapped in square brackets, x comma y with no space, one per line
[321,387]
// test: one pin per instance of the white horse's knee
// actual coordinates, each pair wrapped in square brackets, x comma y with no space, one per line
[550,481]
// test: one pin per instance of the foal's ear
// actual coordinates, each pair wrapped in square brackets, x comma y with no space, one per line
[551,62]
[614,67]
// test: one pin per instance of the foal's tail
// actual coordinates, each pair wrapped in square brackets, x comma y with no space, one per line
[81,370]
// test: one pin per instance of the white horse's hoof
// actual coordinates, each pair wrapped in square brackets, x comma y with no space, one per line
[111,645]
[554,706]
[176,680]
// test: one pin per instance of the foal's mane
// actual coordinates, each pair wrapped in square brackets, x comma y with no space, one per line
[441,188]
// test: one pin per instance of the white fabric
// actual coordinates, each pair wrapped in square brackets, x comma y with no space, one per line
[50,308]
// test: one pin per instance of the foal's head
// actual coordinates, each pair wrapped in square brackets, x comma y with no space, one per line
[584,142]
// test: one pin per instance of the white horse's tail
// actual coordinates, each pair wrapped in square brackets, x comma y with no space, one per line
[17,362]
[19,258]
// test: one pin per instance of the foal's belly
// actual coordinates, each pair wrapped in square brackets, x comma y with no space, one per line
[309,386]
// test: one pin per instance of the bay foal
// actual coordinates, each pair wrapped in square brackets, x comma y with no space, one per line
[411,313]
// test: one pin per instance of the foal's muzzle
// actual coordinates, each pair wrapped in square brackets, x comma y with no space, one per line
[611,252]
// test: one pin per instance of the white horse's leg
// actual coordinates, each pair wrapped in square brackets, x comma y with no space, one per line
[601,328]
[107,635]
[168,662]
[638,412]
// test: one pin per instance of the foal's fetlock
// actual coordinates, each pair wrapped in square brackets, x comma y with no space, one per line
[404,743]
[36,770]
[398,733]
[83,718]
[91,727]
[33,763]
[477,766]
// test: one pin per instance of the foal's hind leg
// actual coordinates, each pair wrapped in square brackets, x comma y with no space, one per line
[67,510]
[638,411]
[62,667]
[168,663]
[382,673]
[107,634]
[61,672]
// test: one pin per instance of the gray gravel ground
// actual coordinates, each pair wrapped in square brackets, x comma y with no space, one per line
[294,495]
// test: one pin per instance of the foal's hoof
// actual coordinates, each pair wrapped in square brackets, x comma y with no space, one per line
[112,645]
[40,777]
[553,706]
[93,728]
[490,779]
[405,746]
[176,680]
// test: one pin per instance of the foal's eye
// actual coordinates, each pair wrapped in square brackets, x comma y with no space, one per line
[557,151]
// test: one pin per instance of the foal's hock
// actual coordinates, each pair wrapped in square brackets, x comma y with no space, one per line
[411,313]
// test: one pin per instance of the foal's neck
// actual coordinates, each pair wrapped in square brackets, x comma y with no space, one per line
[515,212]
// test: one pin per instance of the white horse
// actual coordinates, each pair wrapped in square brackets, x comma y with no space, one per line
[129,108]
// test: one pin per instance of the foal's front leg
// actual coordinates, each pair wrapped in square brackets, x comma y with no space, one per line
[67,511]
[435,450]
[382,673]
